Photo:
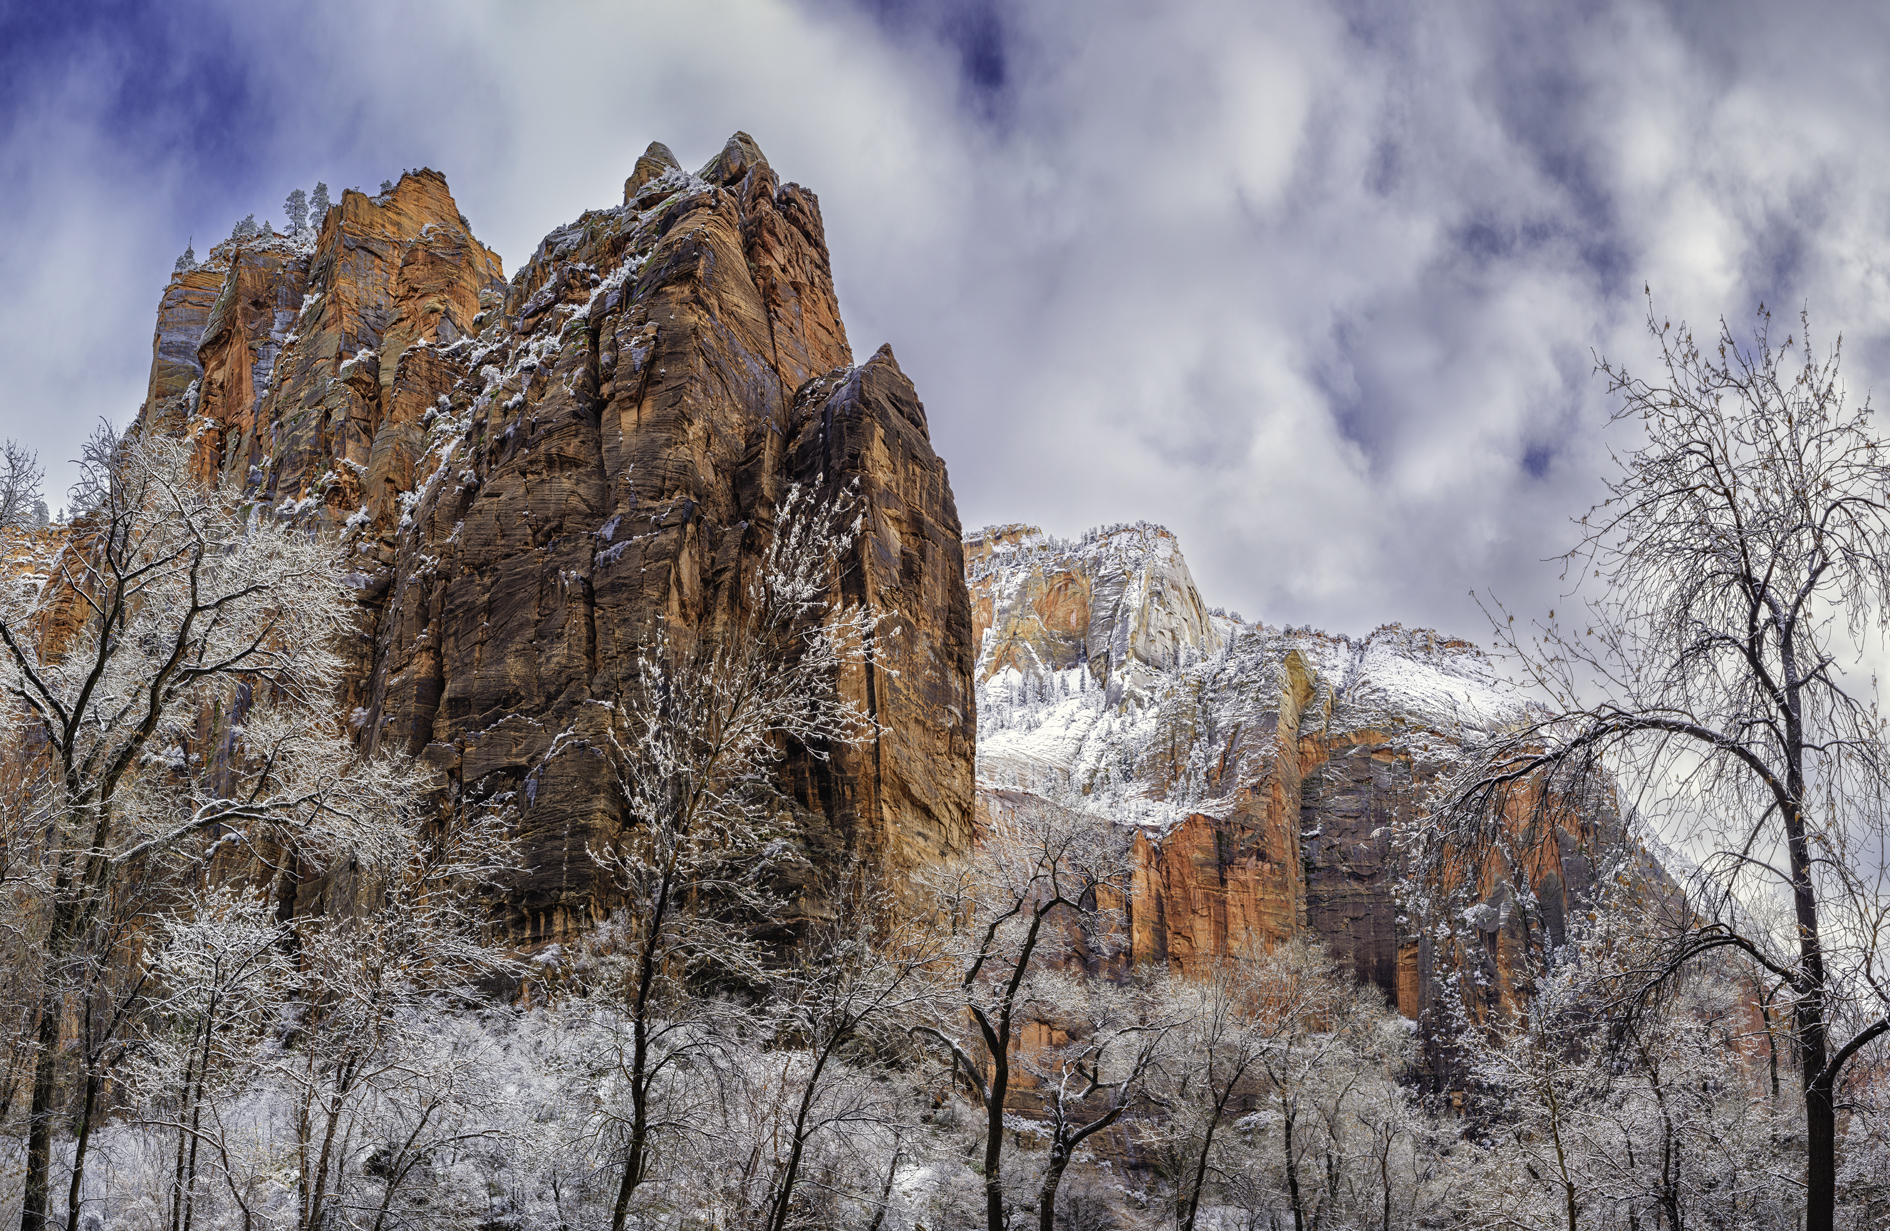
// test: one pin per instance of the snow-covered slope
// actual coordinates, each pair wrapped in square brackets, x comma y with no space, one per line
[1102,672]
[1264,769]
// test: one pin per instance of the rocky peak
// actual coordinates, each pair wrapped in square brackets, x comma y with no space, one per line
[1263,768]
[1118,601]
[302,365]
[655,161]
[528,475]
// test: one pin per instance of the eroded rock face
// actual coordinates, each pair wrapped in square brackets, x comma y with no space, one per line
[528,476]
[1129,612]
[1263,769]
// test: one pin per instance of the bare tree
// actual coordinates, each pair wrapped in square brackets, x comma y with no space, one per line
[373,1069]
[1659,1117]
[1322,1037]
[1114,1040]
[1742,554]
[1029,890]
[20,477]
[856,971]
[168,606]
[694,741]
[1274,1023]
[1219,1046]
[218,978]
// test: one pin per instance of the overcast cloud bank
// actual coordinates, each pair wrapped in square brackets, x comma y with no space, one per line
[1317,286]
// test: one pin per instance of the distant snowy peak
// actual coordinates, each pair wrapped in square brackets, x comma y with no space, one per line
[1101,670]
[1395,678]
[1119,601]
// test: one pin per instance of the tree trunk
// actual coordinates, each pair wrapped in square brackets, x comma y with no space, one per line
[318,1192]
[1670,1170]
[305,1134]
[344,1080]
[44,1084]
[76,892]
[633,1162]
[1820,1159]
[994,1141]
[1047,1195]
[885,1190]
[190,1169]
[1292,1169]
[1771,1043]
[1820,1114]
[1200,1170]
[40,1113]
[76,1189]
[1384,1177]
[183,1140]
[788,1177]
[1569,1203]
[1062,1149]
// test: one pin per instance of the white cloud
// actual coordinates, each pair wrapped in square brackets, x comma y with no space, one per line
[1318,286]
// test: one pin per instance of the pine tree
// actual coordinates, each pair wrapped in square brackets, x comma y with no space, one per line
[188,260]
[318,203]
[246,229]
[387,186]
[295,208]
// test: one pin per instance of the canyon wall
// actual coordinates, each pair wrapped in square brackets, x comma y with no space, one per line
[1262,769]
[528,476]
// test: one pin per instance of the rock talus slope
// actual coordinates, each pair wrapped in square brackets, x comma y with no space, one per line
[1263,768]
[529,475]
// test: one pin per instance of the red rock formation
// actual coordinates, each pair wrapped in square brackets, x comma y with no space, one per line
[529,476]
[1264,769]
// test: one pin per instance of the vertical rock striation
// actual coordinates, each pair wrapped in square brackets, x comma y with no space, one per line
[528,476]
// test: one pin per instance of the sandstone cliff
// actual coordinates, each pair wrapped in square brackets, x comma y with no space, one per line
[528,475]
[1263,768]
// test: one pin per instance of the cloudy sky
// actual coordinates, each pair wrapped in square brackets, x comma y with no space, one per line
[1318,286]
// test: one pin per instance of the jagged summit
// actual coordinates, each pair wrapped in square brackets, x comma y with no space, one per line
[528,474]
[1119,600]
[656,161]
[1263,766]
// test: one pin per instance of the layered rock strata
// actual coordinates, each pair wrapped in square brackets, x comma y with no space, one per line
[529,475]
[1263,769]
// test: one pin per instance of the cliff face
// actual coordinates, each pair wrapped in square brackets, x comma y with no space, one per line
[1263,768]
[529,475]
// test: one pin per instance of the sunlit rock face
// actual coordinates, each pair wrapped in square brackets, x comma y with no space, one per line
[1262,768]
[528,475]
